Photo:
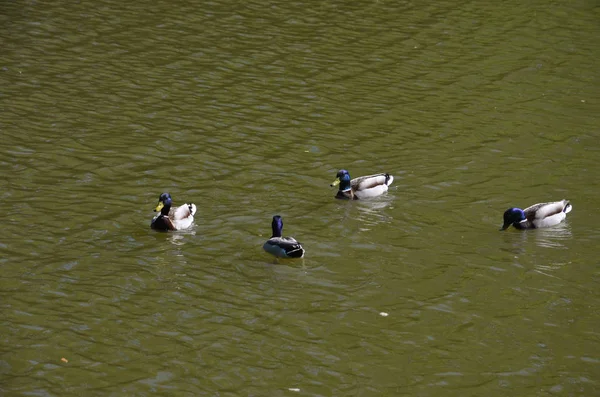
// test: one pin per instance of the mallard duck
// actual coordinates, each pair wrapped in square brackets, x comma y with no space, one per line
[172,218]
[361,187]
[538,215]
[282,247]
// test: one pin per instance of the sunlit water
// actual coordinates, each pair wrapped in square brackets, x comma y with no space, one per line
[248,110]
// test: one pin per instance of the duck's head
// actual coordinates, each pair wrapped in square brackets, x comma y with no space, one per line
[513,215]
[277,226]
[164,204]
[343,179]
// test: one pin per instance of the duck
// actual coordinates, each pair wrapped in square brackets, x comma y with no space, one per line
[537,216]
[168,218]
[361,187]
[282,247]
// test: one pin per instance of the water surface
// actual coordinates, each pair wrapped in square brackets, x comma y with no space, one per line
[248,110]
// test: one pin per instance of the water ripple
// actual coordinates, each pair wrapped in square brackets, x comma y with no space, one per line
[248,111]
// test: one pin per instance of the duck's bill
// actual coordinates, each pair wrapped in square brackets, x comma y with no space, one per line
[159,207]
[335,183]
[505,226]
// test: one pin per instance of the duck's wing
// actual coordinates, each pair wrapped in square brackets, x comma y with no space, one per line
[182,212]
[293,248]
[371,181]
[545,210]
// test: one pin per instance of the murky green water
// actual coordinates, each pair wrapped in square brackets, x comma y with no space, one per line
[248,109]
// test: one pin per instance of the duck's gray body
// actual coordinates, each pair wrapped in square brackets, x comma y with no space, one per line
[284,247]
[538,215]
[362,187]
[169,218]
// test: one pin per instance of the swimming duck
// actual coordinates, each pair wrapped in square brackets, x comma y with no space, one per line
[172,218]
[538,215]
[282,247]
[361,187]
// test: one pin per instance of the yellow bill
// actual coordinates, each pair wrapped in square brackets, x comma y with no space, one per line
[336,182]
[159,206]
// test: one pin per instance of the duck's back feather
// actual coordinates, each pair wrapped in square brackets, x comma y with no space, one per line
[547,214]
[284,247]
[182,212]
[544,210]
[371,181]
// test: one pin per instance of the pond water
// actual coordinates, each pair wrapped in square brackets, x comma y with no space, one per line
[248,109]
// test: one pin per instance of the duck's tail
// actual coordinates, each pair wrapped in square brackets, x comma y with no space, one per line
[567,208]
[388,179]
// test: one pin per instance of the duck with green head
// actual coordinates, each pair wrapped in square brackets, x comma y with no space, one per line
[361,187]
[168,218]
[537,216]
[282,247]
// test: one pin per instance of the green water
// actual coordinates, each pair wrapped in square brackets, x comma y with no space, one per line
[248,109]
